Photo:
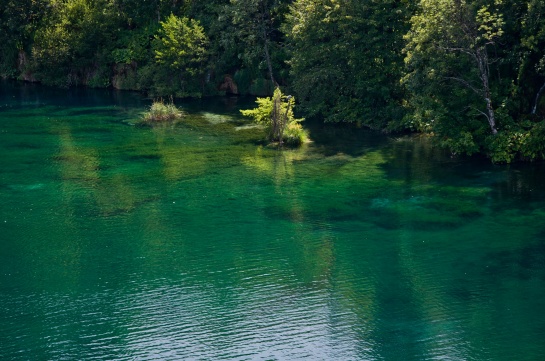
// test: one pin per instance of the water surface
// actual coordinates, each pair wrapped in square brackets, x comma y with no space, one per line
[195,241]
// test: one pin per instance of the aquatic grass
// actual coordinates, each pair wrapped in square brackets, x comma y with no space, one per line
[162,112]
[227,132]
[216,118]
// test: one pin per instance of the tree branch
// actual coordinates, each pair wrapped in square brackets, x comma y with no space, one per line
[466,84]
[481,112]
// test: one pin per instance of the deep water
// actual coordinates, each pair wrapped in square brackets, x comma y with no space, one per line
[194,241]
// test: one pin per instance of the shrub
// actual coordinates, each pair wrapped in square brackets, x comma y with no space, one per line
[294,134]
[518,143]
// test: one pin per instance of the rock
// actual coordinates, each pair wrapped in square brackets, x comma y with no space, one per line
[229,85]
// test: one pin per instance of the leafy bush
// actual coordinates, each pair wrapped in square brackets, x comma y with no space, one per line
[294,134]
[518,143]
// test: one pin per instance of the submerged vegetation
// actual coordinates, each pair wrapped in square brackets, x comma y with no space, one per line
[468,73]
[161,112]
[276,115]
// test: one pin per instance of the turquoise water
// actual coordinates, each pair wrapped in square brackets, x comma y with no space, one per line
[193,241]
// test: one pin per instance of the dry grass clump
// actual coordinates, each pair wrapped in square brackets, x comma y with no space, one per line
[161,112]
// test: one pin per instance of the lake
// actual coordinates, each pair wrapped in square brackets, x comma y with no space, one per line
[196,241]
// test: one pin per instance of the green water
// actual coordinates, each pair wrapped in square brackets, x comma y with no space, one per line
[195,242]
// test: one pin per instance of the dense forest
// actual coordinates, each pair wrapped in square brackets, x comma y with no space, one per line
[471,73]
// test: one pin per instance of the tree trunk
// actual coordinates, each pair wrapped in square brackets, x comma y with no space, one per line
[268,58]
[275,118]
[534,109]
[481,55]
[284,120]
[491,116]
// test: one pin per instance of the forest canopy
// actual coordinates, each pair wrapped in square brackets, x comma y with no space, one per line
[470,73]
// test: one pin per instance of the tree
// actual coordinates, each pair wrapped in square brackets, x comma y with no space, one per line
[256,19]
[19,20]
[181,45]
[531,50]
[346,59]
[74,43]
[140,13]
[453,71]
[469,60]
[254,33]
[448,33]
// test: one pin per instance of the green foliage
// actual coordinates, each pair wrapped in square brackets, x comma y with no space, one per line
[99,79]
[161,112]
[276,115]
[181,44]
[522,141]
[19,20]
[459,78]
[261,87]
[526,23]
[8,62]
[261,114]
[142,13]
[255,33]
[134,45]
[74,41]
[459,70]
[346,59]
[243,79]
[460,143]
[294,134]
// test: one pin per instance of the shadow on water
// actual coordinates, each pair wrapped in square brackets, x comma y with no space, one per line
[525,263]
[218,105]
[18,94]
[334,139]
[415,158]
[422,187]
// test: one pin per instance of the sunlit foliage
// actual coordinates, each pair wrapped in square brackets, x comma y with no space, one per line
[276,115]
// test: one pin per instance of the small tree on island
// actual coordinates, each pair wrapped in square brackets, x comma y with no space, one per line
[276,114]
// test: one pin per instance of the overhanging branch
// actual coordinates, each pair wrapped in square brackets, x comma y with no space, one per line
[466,84]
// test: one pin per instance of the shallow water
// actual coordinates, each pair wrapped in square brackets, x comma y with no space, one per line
[194,241]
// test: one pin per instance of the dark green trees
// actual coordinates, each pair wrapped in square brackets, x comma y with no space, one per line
[73,44]
[19,20]
[450,57]
[526,23]
[346,59]
[249,44]
[473,76]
